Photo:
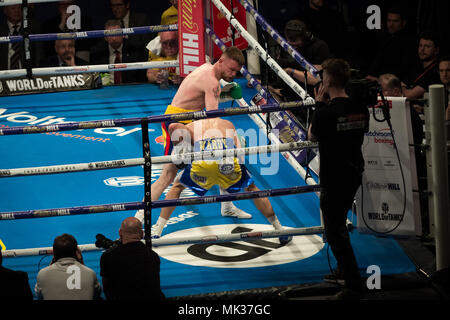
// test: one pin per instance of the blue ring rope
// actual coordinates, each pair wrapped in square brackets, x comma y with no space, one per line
[153,119]
[279,39]
[156,204]
[91,34]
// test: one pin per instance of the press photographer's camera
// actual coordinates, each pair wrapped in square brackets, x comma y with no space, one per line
[362,90]
[105,243]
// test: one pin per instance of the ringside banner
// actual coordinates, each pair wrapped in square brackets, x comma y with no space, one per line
[223,28]
[49,83]
[191,35]
[387,205]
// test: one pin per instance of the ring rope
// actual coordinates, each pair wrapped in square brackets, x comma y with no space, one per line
[5,3]
[90,68]
[91,34]
[261,52]
[279,39]
[44,213]
[270,99]
[185,201]
[276,141]
[213,238]
[196,115]
[176,158]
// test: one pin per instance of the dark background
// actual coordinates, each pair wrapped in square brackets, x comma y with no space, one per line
[423,15]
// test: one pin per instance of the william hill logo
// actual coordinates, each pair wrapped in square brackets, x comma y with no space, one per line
[383,186]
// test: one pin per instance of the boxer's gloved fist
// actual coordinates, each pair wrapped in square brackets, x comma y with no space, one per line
[231,91]
[181,148]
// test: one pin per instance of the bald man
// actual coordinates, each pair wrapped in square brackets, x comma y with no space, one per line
[201,175]
[131,270]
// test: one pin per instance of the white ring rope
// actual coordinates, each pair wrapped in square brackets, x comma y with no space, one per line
[262,53]
[4,3]
[273,138]
[90,68]
[213,238]
[177,158]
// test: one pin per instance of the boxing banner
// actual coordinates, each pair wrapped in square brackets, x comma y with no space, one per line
[190,35]
[385,204]
[49,83]
[223,28]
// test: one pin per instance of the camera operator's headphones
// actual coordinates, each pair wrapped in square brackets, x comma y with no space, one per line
[298,26]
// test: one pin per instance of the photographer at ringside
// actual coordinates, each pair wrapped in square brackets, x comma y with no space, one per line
[339,124]
[67,278]
[129,269]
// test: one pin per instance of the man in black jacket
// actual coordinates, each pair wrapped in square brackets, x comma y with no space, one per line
[128,19]
[339,126]
[12,55]
[14,284]
[115,50]
[395,52]
[64,57]
[130,271]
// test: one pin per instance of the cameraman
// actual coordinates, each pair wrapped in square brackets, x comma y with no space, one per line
[131,270]
[67,278]
[339,124]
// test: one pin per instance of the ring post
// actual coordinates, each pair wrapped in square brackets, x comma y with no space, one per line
[147,183]
[439,176]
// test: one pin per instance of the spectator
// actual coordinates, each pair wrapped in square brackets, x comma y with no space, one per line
[444,75]
[392,87]
[170,16]
[14,284]
[67,278]
[169,51]
[65,55]
[339,125]
[12,55]
[131,270]
[395,51]
[314,50]
[327,25]
[58,24]
[128,19]
[427,72]
[115,50]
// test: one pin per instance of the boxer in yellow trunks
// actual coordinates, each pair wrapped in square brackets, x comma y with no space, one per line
[198,91]
[202,175]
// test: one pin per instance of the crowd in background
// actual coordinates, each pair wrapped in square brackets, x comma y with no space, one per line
[407,44]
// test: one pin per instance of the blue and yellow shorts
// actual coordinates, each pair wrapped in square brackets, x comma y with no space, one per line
[202,175]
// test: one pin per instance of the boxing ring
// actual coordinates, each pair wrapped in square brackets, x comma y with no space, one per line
[247,259]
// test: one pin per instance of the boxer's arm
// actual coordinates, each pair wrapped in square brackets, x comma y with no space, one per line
[212,94]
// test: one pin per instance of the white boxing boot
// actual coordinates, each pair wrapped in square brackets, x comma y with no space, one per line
[228,209]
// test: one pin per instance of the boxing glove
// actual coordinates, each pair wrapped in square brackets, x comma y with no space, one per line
[180,149]
[231,91]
